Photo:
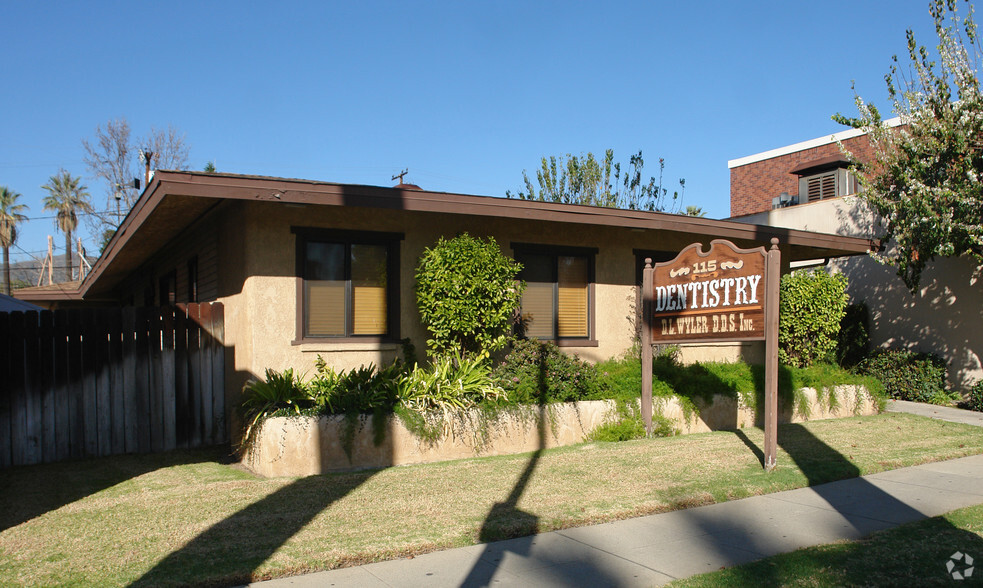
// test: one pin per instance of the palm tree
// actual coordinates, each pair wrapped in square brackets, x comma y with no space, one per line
[10,215]
[67,197]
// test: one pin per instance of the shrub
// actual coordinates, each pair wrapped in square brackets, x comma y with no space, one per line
[468,296]
[976,396]
[853,342]
[361,390]
[906,375]
[451,382]
[538,372]
[280,391]
[811,307]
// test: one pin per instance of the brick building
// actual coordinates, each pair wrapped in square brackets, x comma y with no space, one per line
[808,186]
[805,172]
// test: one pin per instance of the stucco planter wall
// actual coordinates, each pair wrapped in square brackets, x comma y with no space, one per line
[304,446]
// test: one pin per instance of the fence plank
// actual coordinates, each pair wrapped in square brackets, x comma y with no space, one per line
[129,367]
[63,414]
[18,393]
[75,389]
[142,381]
[46,347]
[167,373]
[207,396]
[156,380]
[90,353]
[194,369]
[220,432]
[181,375]
[5,391]
[100,367]
[114,327]
[32,381]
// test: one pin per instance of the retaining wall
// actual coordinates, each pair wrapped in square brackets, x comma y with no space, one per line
[304,446]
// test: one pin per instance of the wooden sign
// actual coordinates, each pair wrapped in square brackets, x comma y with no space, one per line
[725,294]
[713,296]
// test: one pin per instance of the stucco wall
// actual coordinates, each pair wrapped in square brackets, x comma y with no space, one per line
[945,316]
[261,301]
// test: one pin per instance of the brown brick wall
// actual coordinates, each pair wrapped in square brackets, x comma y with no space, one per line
[752,186]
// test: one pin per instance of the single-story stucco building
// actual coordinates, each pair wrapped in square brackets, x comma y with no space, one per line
[308,268]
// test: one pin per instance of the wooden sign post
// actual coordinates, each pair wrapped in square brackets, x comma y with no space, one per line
[726,294]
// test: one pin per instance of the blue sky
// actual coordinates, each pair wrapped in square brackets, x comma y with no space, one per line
[464,94]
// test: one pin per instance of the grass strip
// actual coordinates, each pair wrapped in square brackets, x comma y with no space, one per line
[190,518]
[915,554]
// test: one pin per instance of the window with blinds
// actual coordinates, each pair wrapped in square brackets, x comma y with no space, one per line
[346,289]
[556,301]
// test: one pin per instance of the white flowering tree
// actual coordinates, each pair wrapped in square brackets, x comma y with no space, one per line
[924,179]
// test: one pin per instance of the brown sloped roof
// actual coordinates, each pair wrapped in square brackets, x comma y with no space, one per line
[175,199]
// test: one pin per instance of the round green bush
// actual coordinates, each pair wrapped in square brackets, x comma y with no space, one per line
[468,295]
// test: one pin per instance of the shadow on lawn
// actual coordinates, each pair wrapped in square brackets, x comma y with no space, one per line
[27,492]
[230,551]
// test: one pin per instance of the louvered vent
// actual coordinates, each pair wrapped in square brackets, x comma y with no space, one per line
[821,186]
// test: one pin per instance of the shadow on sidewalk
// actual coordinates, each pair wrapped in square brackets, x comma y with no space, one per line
[862,508]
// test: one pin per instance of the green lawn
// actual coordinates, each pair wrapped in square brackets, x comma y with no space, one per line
[190,517]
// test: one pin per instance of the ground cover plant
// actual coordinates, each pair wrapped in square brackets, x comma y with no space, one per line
[914,554]
[191,518]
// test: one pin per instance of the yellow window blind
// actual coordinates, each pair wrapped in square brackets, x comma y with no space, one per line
[537,310]
[369,263]
[572,297]
[369,310]
[325,307]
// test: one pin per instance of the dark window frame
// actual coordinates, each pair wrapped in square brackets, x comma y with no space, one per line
[167,288]
[556,251]
[305,235]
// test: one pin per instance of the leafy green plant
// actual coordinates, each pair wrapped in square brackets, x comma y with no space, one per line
[279,392]
[451,382]
[361,390]
[906,375]
[537,372]
[811,306]
[468,295]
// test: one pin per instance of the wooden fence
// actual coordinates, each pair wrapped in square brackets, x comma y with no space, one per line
[94,382]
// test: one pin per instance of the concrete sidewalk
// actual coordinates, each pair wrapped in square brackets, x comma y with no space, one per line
[657,549]
[942,413]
